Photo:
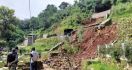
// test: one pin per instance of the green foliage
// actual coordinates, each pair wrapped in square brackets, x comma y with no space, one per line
[80,33]
[122,9]
[68,14]
[115,51]
[128,52]
[25,25]
[34,23]
[1,64]
[103,66]
[46,18]
[124,1]
[86,5]
[98,66]
[84,65]
[70,48]
[42,45]
[8,27]
[121,14]
[70,22]
[2,43]
[63,5]
[103,50]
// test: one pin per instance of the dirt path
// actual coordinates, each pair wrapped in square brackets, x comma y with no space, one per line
[101,14]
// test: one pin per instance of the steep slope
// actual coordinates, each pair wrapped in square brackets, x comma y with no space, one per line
[92,38]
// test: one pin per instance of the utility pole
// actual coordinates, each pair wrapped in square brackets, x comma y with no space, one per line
[30,20]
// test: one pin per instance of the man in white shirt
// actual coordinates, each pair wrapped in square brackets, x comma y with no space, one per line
[34,57]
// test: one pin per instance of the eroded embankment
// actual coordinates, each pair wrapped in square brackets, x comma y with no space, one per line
[93,37]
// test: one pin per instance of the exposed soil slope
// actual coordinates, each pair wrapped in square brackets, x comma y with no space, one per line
[92,38]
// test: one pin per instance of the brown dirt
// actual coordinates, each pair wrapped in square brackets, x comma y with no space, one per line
[62,61]
[92,38]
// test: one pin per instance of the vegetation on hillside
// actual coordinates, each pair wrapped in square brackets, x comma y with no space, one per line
[122,14]
[99,65]
[43,45]
[67,16]
[10,34]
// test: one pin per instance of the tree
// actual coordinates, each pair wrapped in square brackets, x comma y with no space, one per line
[8,25]
[102,5]
[34,23]
[87,6]
[63,5]
[45,16]
[25,24]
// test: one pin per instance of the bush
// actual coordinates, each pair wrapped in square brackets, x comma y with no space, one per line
[103,50]
[1,64]
[115,51]
[122,9]
[70,48]
[128,52]
[122,14]
[98,66]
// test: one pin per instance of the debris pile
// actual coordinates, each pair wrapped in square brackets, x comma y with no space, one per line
[62,61]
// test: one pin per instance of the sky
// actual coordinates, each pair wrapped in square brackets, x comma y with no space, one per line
[21,7]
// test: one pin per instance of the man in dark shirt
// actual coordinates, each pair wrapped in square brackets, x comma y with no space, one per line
[12,60]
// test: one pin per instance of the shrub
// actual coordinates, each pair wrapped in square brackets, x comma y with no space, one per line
[128,52]
[98,66]
[70,48]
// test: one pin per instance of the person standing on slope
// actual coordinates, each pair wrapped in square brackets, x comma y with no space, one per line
[34,57]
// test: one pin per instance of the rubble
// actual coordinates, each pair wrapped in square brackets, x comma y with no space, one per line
[62,61]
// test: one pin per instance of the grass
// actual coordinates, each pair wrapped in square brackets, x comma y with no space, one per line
[71,22]
[122,9]
[70,48]
[122,15]
[1,64]
[103,66]
[98,65]
[43,45]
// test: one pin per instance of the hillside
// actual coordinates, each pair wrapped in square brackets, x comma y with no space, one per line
[109,35]
[88,35]
[93,38]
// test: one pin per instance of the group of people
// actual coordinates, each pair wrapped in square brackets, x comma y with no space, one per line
[12,59]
